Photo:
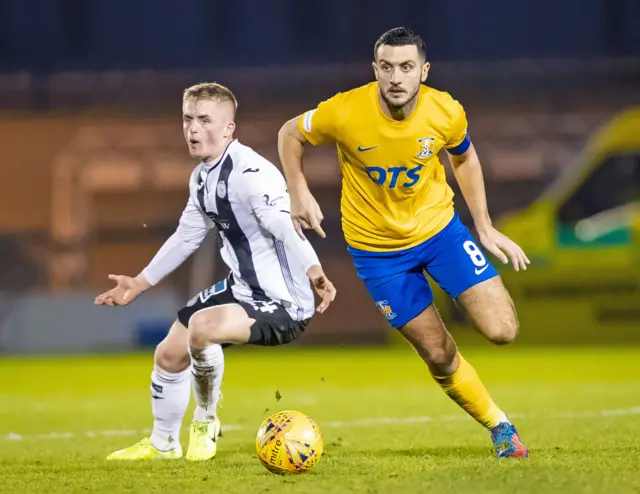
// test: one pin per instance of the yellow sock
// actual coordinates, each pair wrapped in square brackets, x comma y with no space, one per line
[466,389]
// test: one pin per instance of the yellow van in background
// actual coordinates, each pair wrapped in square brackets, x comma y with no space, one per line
[583,239]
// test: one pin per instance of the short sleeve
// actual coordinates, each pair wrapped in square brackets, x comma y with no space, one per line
[458,140]
[320,125]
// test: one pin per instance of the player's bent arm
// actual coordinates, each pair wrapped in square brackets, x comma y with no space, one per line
[278,223]
[280,226]
[468,172]
[290,150]
[266,194]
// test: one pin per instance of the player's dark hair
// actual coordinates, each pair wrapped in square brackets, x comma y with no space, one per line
[401,36]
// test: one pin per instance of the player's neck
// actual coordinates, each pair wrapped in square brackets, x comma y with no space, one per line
[398,113]
[217,152]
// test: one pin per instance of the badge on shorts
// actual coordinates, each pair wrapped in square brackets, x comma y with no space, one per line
[207,293]
[385,308]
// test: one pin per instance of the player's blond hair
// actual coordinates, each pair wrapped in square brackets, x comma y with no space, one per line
[210,91]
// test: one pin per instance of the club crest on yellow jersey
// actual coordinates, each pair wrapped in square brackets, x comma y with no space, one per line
[426,147]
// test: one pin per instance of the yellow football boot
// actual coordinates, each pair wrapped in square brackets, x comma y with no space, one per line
[203,440]
[144,450]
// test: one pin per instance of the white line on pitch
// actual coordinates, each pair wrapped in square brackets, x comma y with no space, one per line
[12,436]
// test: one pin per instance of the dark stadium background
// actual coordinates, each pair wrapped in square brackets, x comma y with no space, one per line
[97,80]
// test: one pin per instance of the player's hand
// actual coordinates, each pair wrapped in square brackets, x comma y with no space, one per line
[127,289]
[306,213]
[322,286]
[503,248]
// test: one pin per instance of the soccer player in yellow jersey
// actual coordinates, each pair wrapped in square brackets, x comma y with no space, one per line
[399,220]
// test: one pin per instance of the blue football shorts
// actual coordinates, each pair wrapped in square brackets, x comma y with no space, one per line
[396,281]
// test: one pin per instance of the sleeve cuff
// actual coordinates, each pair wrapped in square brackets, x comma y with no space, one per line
[145,274]
[460,148]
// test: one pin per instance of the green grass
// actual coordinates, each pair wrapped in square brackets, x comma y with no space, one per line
[578,410]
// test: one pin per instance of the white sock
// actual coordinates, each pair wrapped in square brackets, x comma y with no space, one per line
[504,418]
[207,369]
[170,393]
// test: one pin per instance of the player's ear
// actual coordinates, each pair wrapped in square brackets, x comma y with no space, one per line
[375,69]
[231,127]
[425,71]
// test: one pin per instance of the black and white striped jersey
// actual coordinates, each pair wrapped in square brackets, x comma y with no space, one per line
[245,197]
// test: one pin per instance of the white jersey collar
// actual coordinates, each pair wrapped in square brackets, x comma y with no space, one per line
[216,161]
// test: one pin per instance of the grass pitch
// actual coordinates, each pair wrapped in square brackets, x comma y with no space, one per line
[387,426]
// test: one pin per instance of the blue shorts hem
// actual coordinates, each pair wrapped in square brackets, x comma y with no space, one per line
[489,276]
[397,323]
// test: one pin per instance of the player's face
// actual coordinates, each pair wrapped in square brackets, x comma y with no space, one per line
[399,71]
[208,125]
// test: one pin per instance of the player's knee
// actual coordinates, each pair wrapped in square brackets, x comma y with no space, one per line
[171,357]
[505,329]
[204,330]
[441,357]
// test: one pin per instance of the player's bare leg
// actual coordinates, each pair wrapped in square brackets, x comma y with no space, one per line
[170,392]
[432,341]
[208,328]
[459,380]
[490,309]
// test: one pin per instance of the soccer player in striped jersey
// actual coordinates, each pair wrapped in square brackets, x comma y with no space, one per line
[267,298]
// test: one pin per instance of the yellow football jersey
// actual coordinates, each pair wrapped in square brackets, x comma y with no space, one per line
[394,189]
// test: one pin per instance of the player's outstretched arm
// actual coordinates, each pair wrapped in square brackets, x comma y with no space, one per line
[190,233]
[305,211]
[265,191]
[468,173]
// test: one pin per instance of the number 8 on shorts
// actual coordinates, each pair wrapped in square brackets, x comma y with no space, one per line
[476,255]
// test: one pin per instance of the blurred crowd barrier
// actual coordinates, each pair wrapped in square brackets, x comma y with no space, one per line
[95,175]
